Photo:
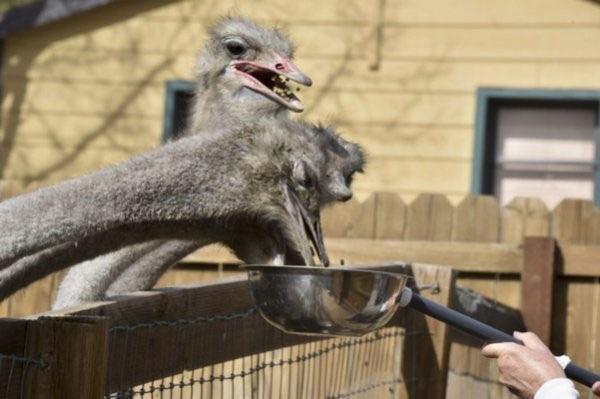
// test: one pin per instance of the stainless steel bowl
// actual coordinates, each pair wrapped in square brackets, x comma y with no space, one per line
[331,301]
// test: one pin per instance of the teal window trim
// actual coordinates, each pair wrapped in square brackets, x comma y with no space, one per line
[173,88]
[484,141]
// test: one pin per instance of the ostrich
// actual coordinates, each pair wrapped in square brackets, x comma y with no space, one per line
[251,244]
[133,269]
[202,187]
[247,81]
[236,45]
[242,75]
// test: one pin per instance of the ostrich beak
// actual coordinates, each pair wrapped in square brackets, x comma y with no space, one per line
[288,69]
[271,79]
[308,226]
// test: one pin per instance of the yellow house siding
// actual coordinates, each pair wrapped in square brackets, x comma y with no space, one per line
[88,91]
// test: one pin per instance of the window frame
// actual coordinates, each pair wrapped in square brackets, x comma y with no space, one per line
[485,136]
[172,87]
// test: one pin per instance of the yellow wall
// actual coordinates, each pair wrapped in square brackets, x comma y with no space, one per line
[89,91]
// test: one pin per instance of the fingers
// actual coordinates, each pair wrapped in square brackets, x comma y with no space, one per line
[530,340]
[496,350]
[596,389]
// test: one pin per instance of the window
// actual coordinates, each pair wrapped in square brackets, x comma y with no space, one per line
[178,101]
[537,143]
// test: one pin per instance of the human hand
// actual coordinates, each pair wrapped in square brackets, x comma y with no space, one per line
[524,368]
[596,389]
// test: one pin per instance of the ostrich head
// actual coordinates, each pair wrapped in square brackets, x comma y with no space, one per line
[322,174]
[308,169]
[248,68]
[344,160]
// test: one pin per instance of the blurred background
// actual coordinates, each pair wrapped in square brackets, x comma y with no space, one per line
[451,97]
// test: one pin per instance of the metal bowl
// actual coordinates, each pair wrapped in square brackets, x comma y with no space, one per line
[324,301]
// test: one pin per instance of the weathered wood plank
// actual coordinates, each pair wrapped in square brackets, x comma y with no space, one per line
[569,221]
[352,219]
[524,217]
[76,349]
[429,218]
[430,351]
[477,219]
[12,343]
[475,257]
[537,285]
[390,216]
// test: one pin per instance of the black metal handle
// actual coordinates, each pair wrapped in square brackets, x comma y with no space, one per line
[487,333]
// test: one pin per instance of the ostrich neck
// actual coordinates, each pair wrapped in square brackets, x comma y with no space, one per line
[215,109]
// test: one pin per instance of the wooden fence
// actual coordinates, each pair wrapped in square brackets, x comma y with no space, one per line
[122,347]
[484,243]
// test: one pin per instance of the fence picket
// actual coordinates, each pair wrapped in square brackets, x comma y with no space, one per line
[524,217]
[429,218]
[390,217]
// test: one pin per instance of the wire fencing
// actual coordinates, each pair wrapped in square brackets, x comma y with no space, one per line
[14,370]
[366,366]
[209,341]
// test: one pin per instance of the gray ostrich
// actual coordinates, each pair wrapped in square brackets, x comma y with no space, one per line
[250,48]
[223,188]
[242,76]
[133,269]
[247,81]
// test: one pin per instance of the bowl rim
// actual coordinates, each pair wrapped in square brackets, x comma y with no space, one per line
[322,270]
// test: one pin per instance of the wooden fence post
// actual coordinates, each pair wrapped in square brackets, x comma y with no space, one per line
[537,285]
[425,359]
[75,349]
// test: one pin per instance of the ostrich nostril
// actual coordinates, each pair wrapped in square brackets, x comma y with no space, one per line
[279,66]
[346,197]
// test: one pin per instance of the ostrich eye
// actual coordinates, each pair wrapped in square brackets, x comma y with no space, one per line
[349,179]
[308,181]
[236,48]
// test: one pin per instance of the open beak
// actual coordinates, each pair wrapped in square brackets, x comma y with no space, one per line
[272,80]
[308,227]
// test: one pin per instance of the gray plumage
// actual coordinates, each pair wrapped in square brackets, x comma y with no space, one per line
[211,108]
[224,183]
[228,96]
[342,160]
[218,101]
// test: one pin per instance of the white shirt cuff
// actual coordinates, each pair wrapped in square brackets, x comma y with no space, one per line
[563,360]
[558,388]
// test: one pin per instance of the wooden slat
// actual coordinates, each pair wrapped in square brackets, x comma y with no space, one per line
[475,257]
[352,219]
[537,285]
[76,349]
[569,221]
[429,218]
[430,351]
[13,342]
[579,260]
[524,217]
[576,322]
[476,218]
[390,216]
